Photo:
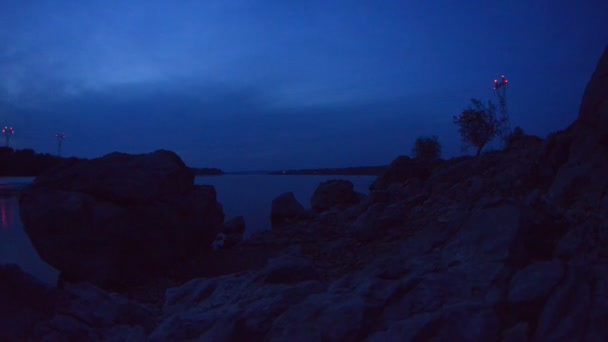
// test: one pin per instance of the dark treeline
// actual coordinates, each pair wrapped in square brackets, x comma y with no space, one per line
[345,171]
[25,162]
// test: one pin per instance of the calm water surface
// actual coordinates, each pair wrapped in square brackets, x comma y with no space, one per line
[251,195]
[15,246]
[247,195]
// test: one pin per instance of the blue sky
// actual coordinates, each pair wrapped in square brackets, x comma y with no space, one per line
[246,85]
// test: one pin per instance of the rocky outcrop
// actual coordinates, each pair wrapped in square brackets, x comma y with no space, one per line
[472,249]
[120,219]
[404,168]
[86,313]
[504,247]
[25,302]
[332,193]
[285,210]
[576,158]
[594,105]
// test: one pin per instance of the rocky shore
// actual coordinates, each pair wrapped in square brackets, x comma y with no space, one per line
[510,246]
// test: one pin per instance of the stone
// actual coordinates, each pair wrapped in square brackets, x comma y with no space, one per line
[25,301]
[285,210]
[535,282]
[565,314]
[332,193]
[404,168]
[118,234]
[593,111]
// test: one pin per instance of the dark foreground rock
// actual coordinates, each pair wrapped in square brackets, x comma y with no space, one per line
[120,219]
[24,302]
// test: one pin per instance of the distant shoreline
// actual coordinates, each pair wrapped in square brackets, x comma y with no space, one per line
[345,171]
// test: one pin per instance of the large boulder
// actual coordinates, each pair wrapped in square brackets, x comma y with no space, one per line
[122,177]
[285,210]
[120,219]
[333,192]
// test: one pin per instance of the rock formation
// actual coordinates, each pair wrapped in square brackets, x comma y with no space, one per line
[120,218]
[332,193]
[285,209]
[511,246]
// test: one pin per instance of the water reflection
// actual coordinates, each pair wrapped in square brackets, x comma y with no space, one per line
[15,245]
[5,211]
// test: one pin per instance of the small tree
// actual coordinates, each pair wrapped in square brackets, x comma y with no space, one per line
[478,124]
[427,148]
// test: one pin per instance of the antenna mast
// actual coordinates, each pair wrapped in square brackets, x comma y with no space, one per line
[500,88]
[8,133]
[60,137]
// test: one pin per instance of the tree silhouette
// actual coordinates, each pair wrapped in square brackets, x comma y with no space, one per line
[478,124]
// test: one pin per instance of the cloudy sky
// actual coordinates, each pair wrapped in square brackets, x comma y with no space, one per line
[246,85]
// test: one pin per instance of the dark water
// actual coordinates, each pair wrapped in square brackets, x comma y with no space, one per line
[15,246]
[251,195]
[247,195]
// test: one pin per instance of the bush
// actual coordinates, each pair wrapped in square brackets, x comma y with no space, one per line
[427,148]
[478,124]
[515,136]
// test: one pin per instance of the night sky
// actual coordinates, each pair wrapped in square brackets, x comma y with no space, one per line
[252,85]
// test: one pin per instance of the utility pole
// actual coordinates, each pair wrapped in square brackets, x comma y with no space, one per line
[8,133]
[500,88]
[60,137]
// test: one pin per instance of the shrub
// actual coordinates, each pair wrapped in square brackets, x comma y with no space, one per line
[427,148]
[478,124]
[515,136]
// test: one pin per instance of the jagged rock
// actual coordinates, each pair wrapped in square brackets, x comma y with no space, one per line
[289,270]
[119,219]
[285,210]
[535,281]
[85,312]
[578,156]
[404,168]
[24,302]
[518,333]
[593,111]
[323,318]
[212,309]
[377,219]
[333,192]
[463,322]
[565,316]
